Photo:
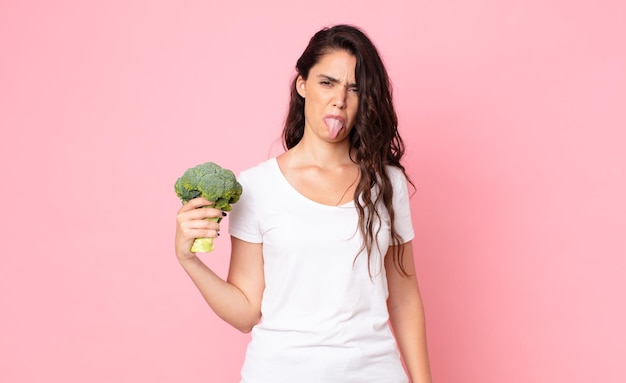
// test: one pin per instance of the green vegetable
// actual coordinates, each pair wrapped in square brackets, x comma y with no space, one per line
[214,183]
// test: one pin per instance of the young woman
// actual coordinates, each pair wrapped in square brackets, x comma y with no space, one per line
[322,262]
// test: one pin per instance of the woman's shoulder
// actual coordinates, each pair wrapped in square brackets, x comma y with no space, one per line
[396,174]
[259,171]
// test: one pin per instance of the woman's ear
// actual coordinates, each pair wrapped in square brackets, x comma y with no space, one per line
[301,86]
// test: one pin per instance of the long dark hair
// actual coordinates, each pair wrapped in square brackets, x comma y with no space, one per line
[374,136]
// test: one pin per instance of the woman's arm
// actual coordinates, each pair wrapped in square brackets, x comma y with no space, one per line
[406,314]
[238,299]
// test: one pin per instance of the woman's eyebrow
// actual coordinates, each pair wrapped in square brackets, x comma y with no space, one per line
[333,80]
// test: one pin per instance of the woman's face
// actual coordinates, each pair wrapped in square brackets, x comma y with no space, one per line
[330,96]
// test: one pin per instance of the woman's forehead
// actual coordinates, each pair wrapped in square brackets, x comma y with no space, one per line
[339,65]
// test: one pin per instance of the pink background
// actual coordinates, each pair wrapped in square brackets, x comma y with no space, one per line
[514,117]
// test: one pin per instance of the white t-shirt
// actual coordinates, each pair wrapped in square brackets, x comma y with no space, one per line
[324,320]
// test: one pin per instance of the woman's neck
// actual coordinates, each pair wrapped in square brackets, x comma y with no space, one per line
[320,154]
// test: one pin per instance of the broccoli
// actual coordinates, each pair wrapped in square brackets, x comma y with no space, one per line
[214,183]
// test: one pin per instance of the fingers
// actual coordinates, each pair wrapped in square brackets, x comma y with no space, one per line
[196,203]
[193,233]
[199,219]
[200,213]
[196,219]
[200,224]
[192,209]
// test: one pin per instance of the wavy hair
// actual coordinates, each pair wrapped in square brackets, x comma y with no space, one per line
[374,136]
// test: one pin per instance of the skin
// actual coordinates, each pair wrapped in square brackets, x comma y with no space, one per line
[237,300]
[319,166]
[321,169]
[406,315]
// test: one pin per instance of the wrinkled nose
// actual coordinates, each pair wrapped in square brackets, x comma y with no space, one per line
[340,97]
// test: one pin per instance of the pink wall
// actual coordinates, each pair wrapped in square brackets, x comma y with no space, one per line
[514,114]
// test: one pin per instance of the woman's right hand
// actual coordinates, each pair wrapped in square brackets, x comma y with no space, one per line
[192,223]
[237,299]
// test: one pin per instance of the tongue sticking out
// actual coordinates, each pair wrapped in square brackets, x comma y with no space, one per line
[334,126]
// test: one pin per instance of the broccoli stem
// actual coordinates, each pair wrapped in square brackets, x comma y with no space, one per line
[204,245]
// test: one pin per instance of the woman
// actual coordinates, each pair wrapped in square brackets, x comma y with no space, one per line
[322,260]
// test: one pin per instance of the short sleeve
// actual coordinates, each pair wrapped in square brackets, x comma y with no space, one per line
[401,205]
[243,222]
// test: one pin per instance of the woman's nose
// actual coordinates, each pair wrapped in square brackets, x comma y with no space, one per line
[340,97]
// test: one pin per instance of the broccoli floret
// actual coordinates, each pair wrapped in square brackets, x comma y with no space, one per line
[214,183]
